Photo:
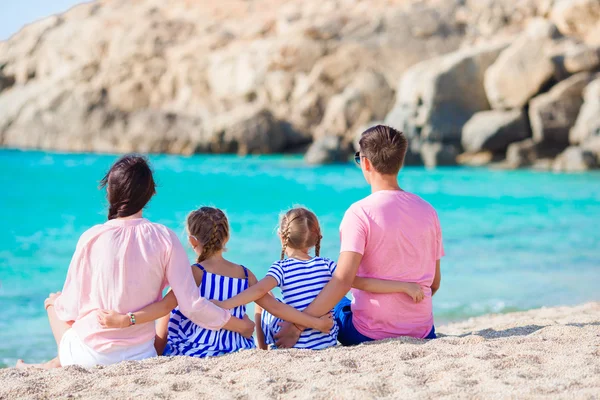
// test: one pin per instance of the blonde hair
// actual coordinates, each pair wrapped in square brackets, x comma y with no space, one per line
[210,227]
[299,229]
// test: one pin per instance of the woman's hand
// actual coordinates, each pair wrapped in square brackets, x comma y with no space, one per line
[50,300]
[415,291]
[113,319]
[249,328]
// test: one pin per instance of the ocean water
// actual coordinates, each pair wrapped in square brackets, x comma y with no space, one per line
[514,240]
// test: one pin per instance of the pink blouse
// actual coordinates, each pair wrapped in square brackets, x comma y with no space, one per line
[124,265]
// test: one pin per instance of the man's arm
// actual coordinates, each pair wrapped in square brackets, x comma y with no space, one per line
[437,279]
[332,293]
[338,286]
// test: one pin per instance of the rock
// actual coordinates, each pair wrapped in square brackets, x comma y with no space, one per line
[436,97]
[435,154]
[200,76]
[475,159]
[592,144]
[521,154]
[552,114]
[494,130]
[327,150]
[6,81]
[578,18]
[575,159]
[588,119]
[257,133]
[367,98]
[582,58]
[519,72]
[528,153]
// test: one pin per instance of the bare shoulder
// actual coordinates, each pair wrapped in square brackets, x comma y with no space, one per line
[198,273]
[251,278]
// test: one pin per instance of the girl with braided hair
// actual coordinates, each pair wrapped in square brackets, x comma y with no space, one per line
[300,277]
[218,279]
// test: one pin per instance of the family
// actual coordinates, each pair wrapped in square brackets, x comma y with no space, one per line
[391,245]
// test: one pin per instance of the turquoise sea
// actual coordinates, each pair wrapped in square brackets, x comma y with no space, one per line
[514,240]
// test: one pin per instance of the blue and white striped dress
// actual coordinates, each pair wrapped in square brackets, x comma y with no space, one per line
[188,339]
[300,283]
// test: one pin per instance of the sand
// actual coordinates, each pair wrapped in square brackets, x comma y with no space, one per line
[549,352]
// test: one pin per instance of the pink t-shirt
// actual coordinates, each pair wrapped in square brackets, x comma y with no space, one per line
[400,238]
[124,265]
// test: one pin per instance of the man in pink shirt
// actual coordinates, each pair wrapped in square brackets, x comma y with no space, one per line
[391,235]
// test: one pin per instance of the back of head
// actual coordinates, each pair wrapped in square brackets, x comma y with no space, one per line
[299,229]
[210,227]
[129,186]
[385,148]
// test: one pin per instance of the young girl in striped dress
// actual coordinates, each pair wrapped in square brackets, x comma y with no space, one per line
[300,276]
[218,280]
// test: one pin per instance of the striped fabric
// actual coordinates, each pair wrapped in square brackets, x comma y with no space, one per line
[188,339]
[300,283]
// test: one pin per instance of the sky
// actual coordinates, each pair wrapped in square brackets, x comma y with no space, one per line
[14,14]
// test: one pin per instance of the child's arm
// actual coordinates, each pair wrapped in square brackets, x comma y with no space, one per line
[384,286]
[154,311]
[290,314]
[249,295]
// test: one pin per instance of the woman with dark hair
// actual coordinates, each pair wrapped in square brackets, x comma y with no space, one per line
[124,265]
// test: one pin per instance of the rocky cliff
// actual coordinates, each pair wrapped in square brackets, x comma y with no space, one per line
[472,81]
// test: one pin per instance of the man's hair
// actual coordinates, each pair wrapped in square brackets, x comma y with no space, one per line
[385,147]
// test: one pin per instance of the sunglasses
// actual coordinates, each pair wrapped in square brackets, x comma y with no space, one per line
[357,157]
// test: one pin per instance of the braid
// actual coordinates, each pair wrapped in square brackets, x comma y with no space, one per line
[207,249]
[299,229]
[209,225]
[318,245]
[285,236]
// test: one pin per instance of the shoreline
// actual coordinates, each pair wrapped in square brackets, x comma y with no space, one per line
[531,354]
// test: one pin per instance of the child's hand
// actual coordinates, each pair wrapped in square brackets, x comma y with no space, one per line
[414,290]
[326,323]
[113,319]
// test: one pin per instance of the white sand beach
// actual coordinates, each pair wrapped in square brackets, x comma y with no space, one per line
[549,352]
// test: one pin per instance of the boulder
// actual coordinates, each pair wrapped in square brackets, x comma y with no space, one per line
[256,133]
[436,97]
[578,18]
[521,154]
[582,58]
[475,159]
[529,153]
[435,154]
[588,119]
[552,114]
[367,98]
[6,81]
[575,159]
[494,130]
[519,72]
[593,145]
[327,150]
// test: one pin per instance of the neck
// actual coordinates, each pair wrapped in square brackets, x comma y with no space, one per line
[299,254]
[134,216]
[218,256]
[384,182]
